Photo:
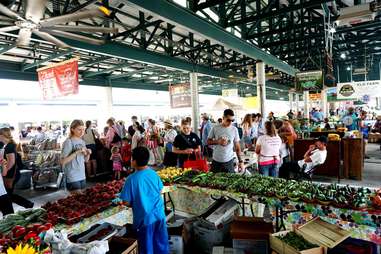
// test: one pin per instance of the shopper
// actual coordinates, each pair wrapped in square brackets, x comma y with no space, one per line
[186,144]
[254,129]
[138,137]
[261,125]
[90,137]
[271,117]
[11,170]
[285,150]
[116,159]
[207,150]
[5,201]
[288,130]
[290,115]
[247,125]
[170,158]
[40,135]
[142,191]
[351,120]
[131,130]
[225,139]
[377,125]
[268,149]
[315,155]
[113,137]
[73,157]
[125,152]
[152,137]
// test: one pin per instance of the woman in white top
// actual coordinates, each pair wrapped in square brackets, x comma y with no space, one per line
[170,158]
[137,138]
[267,148]
[247,125]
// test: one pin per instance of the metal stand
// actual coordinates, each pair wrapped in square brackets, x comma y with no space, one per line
[279,219]
[172,205]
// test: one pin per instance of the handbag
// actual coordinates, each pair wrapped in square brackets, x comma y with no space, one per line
[116,137]
[98,143]
[199,163]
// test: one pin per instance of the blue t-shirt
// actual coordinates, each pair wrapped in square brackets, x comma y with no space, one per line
[142,191]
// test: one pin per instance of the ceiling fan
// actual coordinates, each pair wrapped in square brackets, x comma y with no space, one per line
[33,23]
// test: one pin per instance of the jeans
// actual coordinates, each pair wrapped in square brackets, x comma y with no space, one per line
[225,167]
[153,238]
[269,170]
[79,185]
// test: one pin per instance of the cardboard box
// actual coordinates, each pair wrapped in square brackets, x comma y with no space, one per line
[315,231]
[121,245]
[223,213]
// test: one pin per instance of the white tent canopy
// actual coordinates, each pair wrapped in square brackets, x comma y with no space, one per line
[222,104]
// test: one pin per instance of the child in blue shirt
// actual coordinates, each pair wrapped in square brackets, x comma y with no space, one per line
[142,191]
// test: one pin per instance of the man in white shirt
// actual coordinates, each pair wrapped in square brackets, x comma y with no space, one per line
[315,155]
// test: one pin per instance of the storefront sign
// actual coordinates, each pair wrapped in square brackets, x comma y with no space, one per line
[357,90]
[230,92]
[309,80]
[315,96]
[59,80]
[180,95]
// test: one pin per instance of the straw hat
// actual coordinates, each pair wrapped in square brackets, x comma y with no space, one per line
[168,123]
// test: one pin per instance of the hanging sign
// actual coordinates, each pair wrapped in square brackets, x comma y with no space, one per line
[357,90]
[180,95]
[59,79]
[230,92]
[309,80]
[315,96]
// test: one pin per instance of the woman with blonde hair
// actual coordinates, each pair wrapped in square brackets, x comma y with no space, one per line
[73,157]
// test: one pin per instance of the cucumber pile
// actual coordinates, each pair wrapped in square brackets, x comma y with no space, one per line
[22,218]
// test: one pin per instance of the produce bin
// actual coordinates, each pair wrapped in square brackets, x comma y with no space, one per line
[121,245]
[316,231]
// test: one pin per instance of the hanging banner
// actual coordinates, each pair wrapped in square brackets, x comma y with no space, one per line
[357,90]
[230,92]
[180,95]
[309,80]
[59,79]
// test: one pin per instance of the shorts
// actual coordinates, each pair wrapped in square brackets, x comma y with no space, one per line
[117,166]
[79,185]
[93,148]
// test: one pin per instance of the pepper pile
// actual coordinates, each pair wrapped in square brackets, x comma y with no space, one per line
[258,185]
[170,174]
[297,241]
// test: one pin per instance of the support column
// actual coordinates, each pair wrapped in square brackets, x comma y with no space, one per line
[105,107]
[291,100]
[306,104]
[261,88]
[324,102]
[297,102]
[195,102]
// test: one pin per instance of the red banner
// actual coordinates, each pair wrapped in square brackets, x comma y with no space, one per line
[180,95]
[59,80]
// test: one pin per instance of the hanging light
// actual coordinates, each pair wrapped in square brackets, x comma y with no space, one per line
[348,68]
[343,56]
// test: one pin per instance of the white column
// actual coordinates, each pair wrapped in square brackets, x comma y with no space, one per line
[291,100]
[306,104]
[297,97]
[324,102]
[261,88]
[105,107]
[195,102]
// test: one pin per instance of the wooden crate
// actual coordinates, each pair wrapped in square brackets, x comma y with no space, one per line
[374,137]
[280,247]
[316,231]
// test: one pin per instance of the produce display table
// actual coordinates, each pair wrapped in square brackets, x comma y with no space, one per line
[119,215]
[362,224]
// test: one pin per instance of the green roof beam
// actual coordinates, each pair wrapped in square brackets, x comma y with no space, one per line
[89,74]
[45,60]
[184,18]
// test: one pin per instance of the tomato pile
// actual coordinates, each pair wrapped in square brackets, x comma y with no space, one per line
[30,234]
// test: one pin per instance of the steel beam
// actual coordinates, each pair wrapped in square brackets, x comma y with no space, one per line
[209,4]
[185,18]
[6,48]
[270,14]
[119,50]
[94,61]
[130,73]
[49,58]
[89,74]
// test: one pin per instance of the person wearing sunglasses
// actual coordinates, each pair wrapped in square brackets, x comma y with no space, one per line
[225,139]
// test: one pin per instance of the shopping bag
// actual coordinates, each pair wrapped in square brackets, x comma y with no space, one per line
[200,163]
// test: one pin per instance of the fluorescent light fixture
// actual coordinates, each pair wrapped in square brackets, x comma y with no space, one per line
[281,98]
[343,56]
[163,80]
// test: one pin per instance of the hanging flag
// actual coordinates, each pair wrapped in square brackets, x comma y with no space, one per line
[59,80]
